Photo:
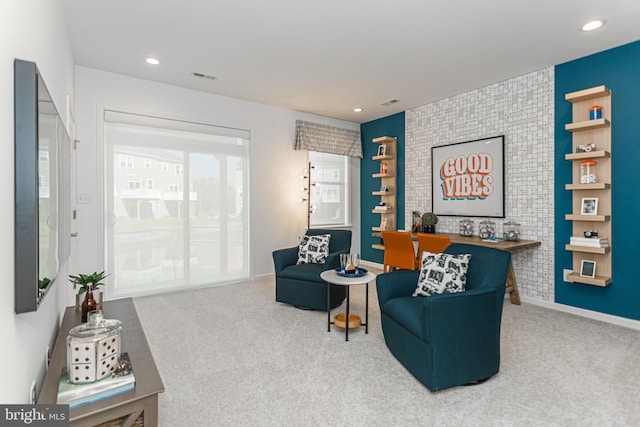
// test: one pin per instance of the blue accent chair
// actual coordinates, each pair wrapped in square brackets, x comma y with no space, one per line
[301,285]
[450,339]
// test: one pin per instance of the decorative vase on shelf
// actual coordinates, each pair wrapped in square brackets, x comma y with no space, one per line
[89,304]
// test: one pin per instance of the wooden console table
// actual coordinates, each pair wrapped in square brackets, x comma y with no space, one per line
[141,402]
[505,245]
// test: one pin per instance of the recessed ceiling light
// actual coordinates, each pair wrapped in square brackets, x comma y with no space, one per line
[357,109]
[593,25]
[152,61]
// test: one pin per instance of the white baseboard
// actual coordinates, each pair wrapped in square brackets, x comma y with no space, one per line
[371,264]
[616,320]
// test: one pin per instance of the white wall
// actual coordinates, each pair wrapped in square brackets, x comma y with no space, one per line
[35,30]
[277,218]
[32,30]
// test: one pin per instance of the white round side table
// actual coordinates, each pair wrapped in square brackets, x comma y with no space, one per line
[347,320]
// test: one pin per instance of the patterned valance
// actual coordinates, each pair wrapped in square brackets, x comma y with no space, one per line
[327,139]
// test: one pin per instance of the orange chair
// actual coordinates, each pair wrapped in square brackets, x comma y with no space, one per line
[434,243]
[398,251]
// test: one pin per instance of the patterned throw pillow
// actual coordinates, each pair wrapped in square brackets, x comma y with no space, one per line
[313,249]
[442,273]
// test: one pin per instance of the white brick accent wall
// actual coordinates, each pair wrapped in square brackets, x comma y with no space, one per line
[522,109]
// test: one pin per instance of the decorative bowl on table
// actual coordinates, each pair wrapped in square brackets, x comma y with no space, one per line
[358,272]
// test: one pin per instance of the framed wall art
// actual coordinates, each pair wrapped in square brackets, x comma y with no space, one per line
[589,206]
[588,268]
[467,178]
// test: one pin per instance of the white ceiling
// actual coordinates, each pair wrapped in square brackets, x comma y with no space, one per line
[326,57]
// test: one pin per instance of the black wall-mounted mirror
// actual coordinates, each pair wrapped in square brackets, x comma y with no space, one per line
[40,137]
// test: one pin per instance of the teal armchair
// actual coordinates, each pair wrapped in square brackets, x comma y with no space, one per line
[450,339]
[301,285]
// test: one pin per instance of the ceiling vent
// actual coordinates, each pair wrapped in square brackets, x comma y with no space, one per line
[389,102]
[203,76]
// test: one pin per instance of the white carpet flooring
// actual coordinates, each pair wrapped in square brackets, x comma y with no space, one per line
[232,356]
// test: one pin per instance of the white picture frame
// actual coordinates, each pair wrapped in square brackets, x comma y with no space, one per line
[589,206]
[382,150]
[588,268]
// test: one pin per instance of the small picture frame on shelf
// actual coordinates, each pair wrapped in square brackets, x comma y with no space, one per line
[383,223]
[589,206]
[382,150]
[588,268]
[383,189]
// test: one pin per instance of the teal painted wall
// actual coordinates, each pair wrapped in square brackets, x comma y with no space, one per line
[387,126]
[619,70]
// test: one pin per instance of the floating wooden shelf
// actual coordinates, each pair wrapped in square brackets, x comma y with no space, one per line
[587,249]
[384,139]
[381,247]
[601,281]
[388,181]
[587,218]
[590,155]
[587,94]
[594,186]
[598,133]
[587,125]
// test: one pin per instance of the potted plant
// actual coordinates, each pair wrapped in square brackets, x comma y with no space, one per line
[88,283]
[429,221]
[84,280]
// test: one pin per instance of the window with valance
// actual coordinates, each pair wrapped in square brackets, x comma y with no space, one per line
[327,139]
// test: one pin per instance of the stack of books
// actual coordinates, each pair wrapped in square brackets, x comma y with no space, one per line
[74,395]
[382,208]
[592,242]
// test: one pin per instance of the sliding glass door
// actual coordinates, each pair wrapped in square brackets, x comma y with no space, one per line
[176,204]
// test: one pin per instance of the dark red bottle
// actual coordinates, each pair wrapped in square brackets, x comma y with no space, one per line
[89,304]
